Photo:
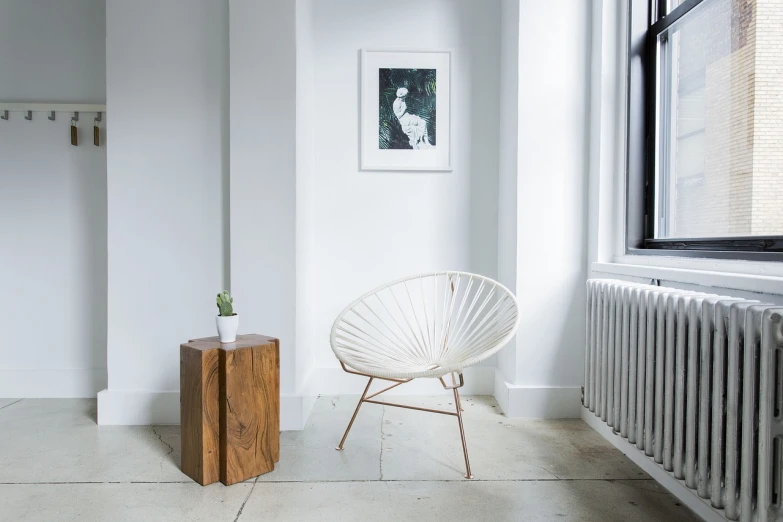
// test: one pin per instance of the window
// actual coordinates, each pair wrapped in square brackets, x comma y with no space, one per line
[706,128]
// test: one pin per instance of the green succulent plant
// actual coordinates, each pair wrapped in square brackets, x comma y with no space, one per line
[225,303]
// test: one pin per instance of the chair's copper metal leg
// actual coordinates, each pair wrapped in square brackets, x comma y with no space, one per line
[454,383]
[370,399]
[459,404]
[366,389]
[468,475]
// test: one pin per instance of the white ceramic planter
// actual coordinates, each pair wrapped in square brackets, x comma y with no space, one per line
[227,328]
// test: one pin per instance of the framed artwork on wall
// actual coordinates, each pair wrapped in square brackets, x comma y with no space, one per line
[406,110]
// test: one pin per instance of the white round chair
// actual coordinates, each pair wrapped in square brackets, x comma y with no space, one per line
[425,325]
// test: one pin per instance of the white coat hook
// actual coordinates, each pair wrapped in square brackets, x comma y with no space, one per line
[98,118]
[4,115]
[29,116]
[51,116]
[75,116]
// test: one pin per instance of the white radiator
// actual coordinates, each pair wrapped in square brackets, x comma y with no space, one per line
[695,381]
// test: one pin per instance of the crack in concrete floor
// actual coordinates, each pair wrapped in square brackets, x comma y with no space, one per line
[242,507]
[15,402]
[160,438]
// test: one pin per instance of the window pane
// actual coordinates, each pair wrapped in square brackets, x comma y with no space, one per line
[667,6]
[719,163]
[671,5]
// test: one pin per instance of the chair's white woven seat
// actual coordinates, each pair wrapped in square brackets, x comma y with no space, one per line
[425,325]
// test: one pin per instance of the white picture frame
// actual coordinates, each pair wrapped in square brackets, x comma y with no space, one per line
[406,81]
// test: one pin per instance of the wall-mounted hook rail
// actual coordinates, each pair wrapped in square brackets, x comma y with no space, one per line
[51,108]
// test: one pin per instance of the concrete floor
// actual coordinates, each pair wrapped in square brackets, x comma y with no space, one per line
[56,464]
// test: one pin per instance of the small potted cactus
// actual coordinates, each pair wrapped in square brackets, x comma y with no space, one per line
[227,321]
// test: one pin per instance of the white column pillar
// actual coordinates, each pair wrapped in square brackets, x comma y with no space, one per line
[540,373]
[263,182]
[166,90]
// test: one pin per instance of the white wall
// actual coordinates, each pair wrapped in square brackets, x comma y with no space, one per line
[305,143]
[52,203]
[53,51]
[551,206]
[508,145]
[167,95]
[361,229]
[308,230]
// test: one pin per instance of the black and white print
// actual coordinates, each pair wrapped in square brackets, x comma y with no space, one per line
[407,108]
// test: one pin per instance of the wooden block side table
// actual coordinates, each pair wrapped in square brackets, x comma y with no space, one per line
[230,408]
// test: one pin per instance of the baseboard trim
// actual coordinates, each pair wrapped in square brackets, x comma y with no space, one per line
[137,408]
[295,410]
[676,487]
[45,384]
[143,408]
[335,381]
[537,402]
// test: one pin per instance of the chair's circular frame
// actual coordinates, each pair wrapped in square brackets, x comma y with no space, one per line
[442,370]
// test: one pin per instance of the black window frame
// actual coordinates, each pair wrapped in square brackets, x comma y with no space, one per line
[647,19]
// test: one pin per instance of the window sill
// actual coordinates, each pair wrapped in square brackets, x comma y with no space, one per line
[750,276]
